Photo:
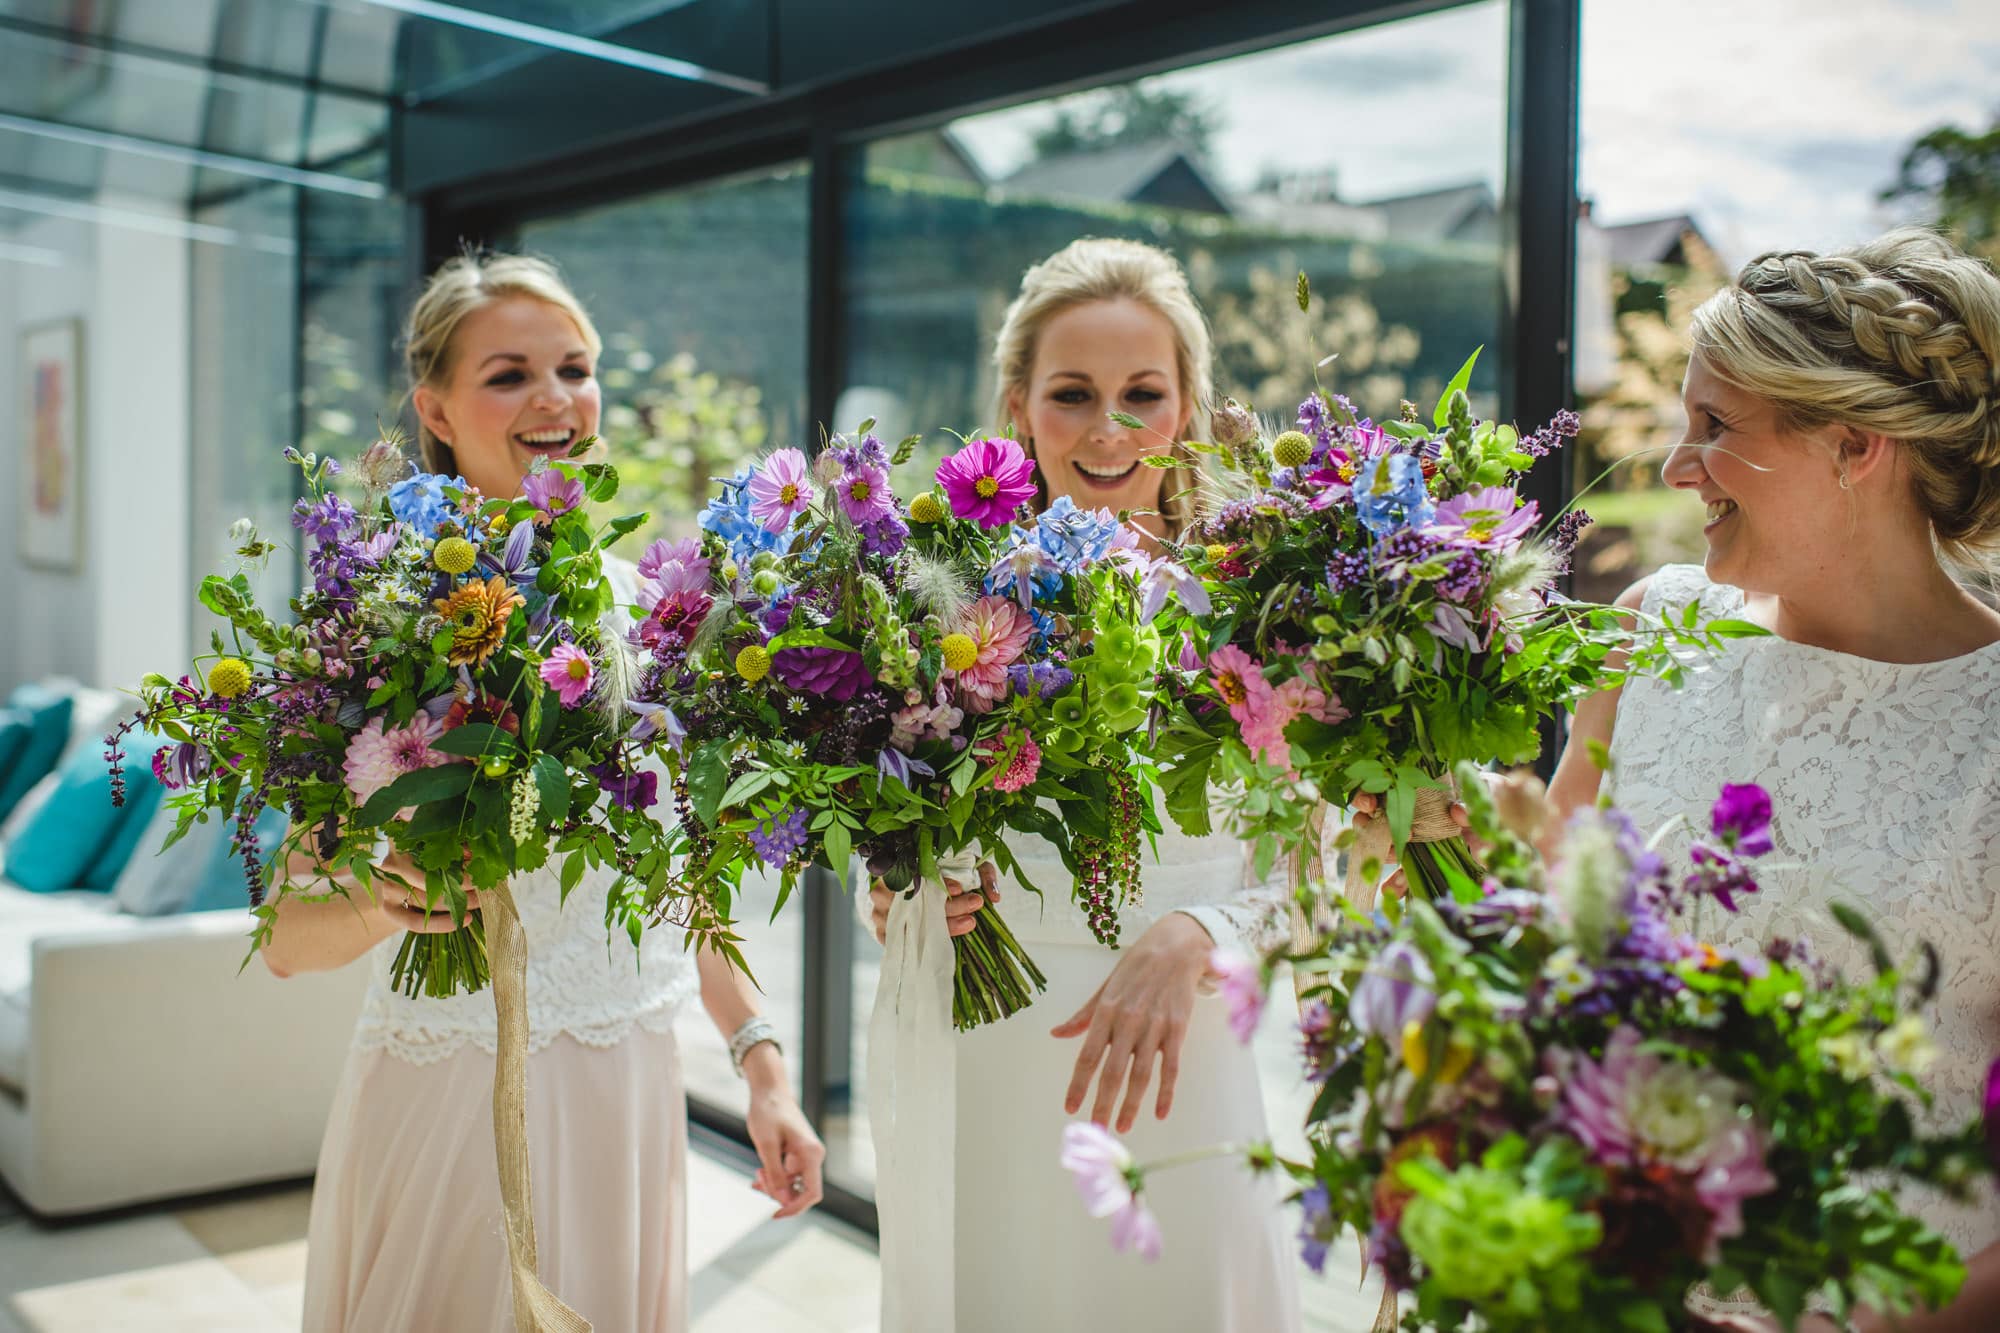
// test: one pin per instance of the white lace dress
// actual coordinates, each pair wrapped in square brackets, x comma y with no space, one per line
[1885,788]
[405,1234]
[1007,1226]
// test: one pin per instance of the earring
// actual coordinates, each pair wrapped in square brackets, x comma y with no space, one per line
[1845,484]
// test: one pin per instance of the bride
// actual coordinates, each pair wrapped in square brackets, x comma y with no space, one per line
[1098,327]
[1844,432]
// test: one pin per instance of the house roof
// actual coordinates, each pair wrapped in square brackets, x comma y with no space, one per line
[1431,215]
[1651,241]
[1109,175]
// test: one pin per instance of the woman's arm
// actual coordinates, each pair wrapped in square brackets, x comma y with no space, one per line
[789,1153]
[320,936]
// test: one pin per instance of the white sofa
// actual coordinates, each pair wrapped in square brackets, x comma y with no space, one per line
[140,1059]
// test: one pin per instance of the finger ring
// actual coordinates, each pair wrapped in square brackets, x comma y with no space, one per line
[798,1184]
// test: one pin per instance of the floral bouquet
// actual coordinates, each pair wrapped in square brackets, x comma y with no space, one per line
[1383,604]
[447,688]
[910,682]
[1552,1104]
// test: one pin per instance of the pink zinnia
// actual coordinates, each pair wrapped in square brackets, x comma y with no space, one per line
[987,481]
[1027,761]
[780,491]
[378,754]
[1001,632]
[1109,1183]
[569,673]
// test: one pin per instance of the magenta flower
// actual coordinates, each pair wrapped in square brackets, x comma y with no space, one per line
[864,494]
[780,490]
[553,493]
[1111,1185]
[1241,984]
[1742,818]
[834,672]
[1642,1108]
[380,754]
[1992,1115]
[569,673]
[1486,517]
[987,481]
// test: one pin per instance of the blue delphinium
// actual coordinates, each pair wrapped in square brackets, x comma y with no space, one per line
[1389,494]
[419,501]
[728,517]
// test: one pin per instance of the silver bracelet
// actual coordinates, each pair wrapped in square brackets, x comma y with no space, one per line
[754,1032]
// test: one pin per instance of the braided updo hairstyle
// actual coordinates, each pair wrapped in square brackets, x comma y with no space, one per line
[1899,337]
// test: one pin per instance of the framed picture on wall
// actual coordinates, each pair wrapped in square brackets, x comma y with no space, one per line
[51,427]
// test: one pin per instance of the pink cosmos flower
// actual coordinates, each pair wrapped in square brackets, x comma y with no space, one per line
[677,566]
[1241,984]
[1486,517]
[569,673]
[379,754]
[1239,679]
[1639,1108]
[553,494]
[1109,1184]
[987,481]
[1001,632]
[780,490]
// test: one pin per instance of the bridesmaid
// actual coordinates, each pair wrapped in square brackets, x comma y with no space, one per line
[406,1231]
[1102,326]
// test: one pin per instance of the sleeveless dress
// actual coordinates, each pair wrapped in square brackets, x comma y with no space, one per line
[406,1233]
[1023,1253]
[1885,789]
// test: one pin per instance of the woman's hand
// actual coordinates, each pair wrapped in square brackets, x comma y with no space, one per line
[1366,807]
[1139,1015]
[958,908]
[404,906]
[790,1156]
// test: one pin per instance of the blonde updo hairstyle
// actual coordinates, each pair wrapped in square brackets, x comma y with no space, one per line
[1899,337]
[460,287]
[1103,269]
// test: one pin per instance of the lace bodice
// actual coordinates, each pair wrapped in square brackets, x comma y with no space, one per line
[1885,787]
[583,979]
[1210,879]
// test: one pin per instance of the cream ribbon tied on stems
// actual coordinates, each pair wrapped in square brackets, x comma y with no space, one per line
[913,1106]
[1432,822]
[536,1308]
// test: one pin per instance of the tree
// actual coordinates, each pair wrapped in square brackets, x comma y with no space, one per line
[1131,113]
[671,428]
[1958,173]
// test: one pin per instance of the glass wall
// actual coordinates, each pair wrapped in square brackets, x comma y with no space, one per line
[700,295]
[1788,127]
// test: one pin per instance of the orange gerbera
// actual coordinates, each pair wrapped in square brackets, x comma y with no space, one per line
[477,617]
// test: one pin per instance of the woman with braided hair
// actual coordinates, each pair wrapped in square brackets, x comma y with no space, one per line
[1844,432]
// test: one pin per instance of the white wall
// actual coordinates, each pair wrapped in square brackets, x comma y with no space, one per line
[124,612]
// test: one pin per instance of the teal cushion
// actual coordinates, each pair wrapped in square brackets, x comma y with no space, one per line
[66,835]
[222,886]
[15,728]
[48,714]
[142,797]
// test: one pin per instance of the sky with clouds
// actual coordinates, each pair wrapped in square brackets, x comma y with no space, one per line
[1773,122]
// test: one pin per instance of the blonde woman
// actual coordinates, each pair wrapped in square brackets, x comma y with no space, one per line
[1844,433]
[406,1227]
[1125,1038]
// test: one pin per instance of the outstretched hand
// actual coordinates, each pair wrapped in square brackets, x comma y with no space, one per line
[1137,1018]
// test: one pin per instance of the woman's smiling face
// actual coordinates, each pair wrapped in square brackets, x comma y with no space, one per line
[1090,361]
[522,387]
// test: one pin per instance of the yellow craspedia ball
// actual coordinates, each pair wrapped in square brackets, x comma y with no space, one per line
[960,652]
[454,555]
[1292,449]
[229,677]
[1215,552]
[926,509]
[753,663]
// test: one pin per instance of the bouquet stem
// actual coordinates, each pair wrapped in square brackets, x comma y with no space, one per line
[438,966]
[1430,867]
[994,978]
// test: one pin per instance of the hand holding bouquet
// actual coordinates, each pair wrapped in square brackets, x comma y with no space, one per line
[910,682]
[448,690]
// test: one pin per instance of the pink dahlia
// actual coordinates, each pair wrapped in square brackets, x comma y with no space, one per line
[780,490]
[379,754]
[569,673]
[1000,630]
[987,481]
[1641,1108]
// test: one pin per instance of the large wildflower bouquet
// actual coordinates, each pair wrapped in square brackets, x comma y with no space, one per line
[912,683]
[1544,1101]
[447,689]
[1383,604]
